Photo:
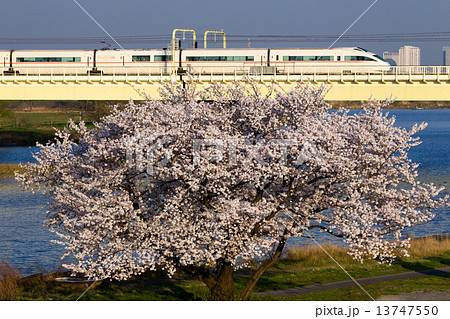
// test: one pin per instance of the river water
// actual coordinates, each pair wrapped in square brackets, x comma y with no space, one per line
[26,243]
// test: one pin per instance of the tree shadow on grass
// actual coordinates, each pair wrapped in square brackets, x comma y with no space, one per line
[164,289]
[444,261]
[267,283]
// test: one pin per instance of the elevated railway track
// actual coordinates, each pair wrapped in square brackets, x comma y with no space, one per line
[423,83]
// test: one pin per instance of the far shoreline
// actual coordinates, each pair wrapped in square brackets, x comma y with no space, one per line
[81,105]
[396,105]
[28,131]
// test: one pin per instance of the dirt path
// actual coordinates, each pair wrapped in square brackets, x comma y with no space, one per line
[417,296]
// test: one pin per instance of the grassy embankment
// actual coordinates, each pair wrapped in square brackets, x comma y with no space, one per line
[7,170]
[411,105]
[20,128]
[301,267]
[25,128]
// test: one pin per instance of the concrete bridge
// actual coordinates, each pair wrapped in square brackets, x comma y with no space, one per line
[424,83]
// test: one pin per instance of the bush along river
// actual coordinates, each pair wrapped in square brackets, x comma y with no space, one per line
[26,243]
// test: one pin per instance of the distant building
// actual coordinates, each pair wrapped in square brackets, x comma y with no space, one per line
[391,57]
[446,51]
[409,55]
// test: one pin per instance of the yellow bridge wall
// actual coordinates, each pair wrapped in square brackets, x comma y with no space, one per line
[352,89]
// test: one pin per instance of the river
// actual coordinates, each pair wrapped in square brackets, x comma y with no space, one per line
[26,243]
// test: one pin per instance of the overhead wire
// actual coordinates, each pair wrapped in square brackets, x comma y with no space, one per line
[242,38]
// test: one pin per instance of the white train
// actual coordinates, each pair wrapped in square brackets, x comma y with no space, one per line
[194,61]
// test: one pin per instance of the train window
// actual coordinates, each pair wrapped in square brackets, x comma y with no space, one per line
[357,58]
[325,58]
[70,59]
[220,58]
[308,58]
[48,59]
[247,58]
[140,58]
[292,58]
[163,58]
[378,57]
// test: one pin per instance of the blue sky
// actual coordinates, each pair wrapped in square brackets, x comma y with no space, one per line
[63,18]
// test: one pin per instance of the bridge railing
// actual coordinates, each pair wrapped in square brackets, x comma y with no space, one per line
[418,70]
[256,69]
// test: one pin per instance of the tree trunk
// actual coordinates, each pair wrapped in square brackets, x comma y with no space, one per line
[245,293]
[223,289]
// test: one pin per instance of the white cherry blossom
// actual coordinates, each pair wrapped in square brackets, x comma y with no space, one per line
[133,194]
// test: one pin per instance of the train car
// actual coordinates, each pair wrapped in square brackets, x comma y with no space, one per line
[51,61]
[294,61]
[195,61]
[4,60]
[153,61]
[228,61]
[337,60]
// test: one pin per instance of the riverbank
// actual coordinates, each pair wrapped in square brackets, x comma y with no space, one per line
[25,136]
[7,170]
[300,267]
[25,123]
[21,128]
[28,128]
[400,105]
[81,108]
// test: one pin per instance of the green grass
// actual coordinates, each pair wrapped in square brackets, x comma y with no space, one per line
[7,170]
[26,136]
[30,128]
[421,284]
[301,267]
[26,119]
[309,266]
[161,289]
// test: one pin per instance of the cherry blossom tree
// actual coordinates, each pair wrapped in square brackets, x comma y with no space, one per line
[209,181]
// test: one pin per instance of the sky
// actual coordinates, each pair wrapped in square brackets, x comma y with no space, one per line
[65,19]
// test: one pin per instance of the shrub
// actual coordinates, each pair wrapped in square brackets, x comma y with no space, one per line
[9,281]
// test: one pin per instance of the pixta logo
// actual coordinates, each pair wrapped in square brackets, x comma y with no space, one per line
[156,151]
